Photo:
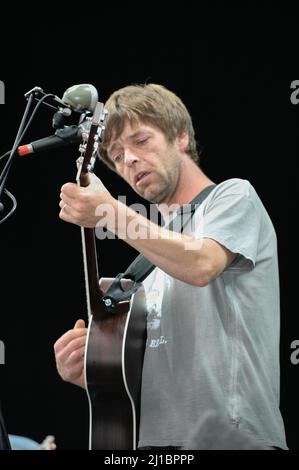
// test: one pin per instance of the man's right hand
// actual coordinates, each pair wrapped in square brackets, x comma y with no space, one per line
[69,354]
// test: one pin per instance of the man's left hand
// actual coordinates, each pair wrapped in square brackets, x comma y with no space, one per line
[79,205]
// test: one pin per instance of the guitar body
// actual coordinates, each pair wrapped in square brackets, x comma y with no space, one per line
[113,370]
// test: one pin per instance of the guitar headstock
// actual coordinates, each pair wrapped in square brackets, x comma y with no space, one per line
[90,144]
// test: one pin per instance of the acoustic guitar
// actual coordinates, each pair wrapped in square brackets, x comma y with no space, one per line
[115,338]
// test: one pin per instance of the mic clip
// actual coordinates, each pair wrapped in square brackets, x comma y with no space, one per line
[59,117]
[69,134]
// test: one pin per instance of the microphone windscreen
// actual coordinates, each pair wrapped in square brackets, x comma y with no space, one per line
[81,97]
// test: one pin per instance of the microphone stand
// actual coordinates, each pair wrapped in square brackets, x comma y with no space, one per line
[12,157]
[30,95]
[62,136]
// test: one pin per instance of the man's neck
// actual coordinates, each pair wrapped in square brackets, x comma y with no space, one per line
[191,182]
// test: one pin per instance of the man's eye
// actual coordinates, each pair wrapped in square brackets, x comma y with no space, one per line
[118,158]
[142,141]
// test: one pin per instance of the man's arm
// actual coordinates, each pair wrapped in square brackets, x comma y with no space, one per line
[194,261]
[188,259]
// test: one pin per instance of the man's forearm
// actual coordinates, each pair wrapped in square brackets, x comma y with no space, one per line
[180,256]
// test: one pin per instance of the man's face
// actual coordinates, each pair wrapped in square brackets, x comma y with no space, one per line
[147,161]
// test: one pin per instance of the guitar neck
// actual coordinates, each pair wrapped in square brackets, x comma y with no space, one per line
[93,291]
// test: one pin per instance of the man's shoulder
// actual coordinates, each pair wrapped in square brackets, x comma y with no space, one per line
[232,189]
[234,186]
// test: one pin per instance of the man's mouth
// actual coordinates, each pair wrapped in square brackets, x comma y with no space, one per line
[141,177]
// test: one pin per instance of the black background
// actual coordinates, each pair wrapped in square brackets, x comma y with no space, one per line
[233,68]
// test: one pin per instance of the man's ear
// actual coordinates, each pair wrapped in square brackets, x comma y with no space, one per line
[183,141]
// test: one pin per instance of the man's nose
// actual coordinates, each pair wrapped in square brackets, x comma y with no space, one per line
[130,158]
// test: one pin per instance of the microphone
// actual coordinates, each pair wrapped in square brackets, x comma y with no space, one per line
[80,98]
[62,137]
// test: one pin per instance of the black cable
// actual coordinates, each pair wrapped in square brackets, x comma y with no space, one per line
[14,202]
[13,153]
[5,155]
[18,138]
[11,158]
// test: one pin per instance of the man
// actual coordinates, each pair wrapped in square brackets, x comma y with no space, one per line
[213,300]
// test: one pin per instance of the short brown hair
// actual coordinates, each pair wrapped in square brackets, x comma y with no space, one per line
[150,104]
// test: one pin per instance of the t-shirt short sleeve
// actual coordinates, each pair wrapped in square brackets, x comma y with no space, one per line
[231,216]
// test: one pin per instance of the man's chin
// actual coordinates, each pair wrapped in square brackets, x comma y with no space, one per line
[154,198]
[150,194]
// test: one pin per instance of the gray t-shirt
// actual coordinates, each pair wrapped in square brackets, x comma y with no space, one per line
[217,347]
